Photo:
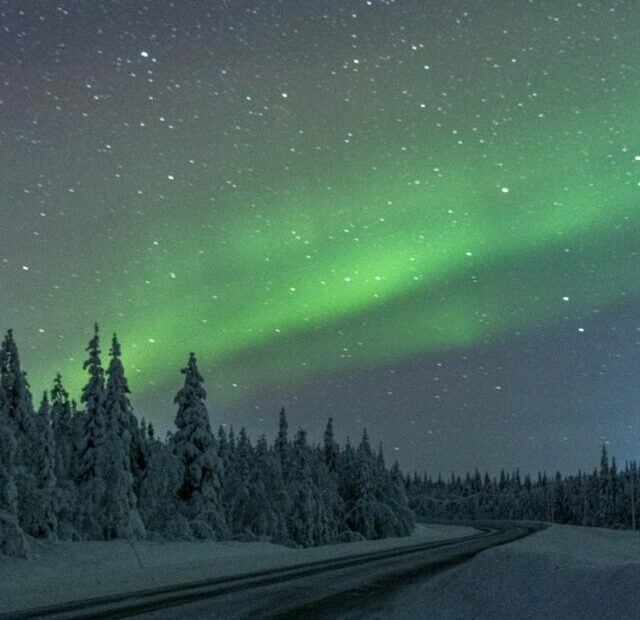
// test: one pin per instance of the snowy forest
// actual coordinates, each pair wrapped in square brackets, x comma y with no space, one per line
[95,472]
[606,497]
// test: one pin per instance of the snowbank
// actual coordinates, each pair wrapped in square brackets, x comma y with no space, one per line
[64,571]
[562,573]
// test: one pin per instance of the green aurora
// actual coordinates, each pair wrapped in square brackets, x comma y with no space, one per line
[304,206]
[456,261]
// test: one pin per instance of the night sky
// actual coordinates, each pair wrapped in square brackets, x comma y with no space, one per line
[420,217]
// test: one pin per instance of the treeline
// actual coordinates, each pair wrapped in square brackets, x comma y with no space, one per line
[94,472]
[605,497]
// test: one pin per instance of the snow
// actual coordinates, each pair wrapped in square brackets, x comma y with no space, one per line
[65,571]
[562,573]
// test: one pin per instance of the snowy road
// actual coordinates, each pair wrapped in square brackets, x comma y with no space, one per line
[335,591]
[327,588]
[564,573]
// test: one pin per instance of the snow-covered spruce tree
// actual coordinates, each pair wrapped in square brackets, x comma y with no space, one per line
[330,519]
[77,432]
[281,445]
[559,500]
[117,408]
[139,455]
[119,412]
[39,504]
[311,515]
[604,498]
[370,515]
[231,448]
[225,460]
[151,433]
[593,498]
[232,440]
[223,448]
[269,495]
[395,495]
[16,408]
[121,518]
[64,433]
[237,498]
[612,514]
[235,485]
[633,494]
[360,516]
[62,426]
[325,477]
[302,509]
[89,516]
[8,490]
[12,538]
[389,490]
[347,476]
[331,448]
[194,445]
[575,501]
[158,501]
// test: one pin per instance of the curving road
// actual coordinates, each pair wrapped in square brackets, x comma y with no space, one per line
[319,589]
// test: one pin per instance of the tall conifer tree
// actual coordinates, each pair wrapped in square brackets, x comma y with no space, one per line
[16,406]
[93,416]
[121,517]
[91,486]
[331,449]
[281,445]
[16,409]
[66,438]
[194,445]
[41,504]
[62,426]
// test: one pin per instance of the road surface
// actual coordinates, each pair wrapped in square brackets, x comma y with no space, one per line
[321,589]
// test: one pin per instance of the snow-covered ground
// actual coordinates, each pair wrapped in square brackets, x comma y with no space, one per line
[64,571]
[562,573]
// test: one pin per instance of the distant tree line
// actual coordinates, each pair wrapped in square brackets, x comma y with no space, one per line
[94,472]
[605,497]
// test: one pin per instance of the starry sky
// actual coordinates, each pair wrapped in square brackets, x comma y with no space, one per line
[419,217]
